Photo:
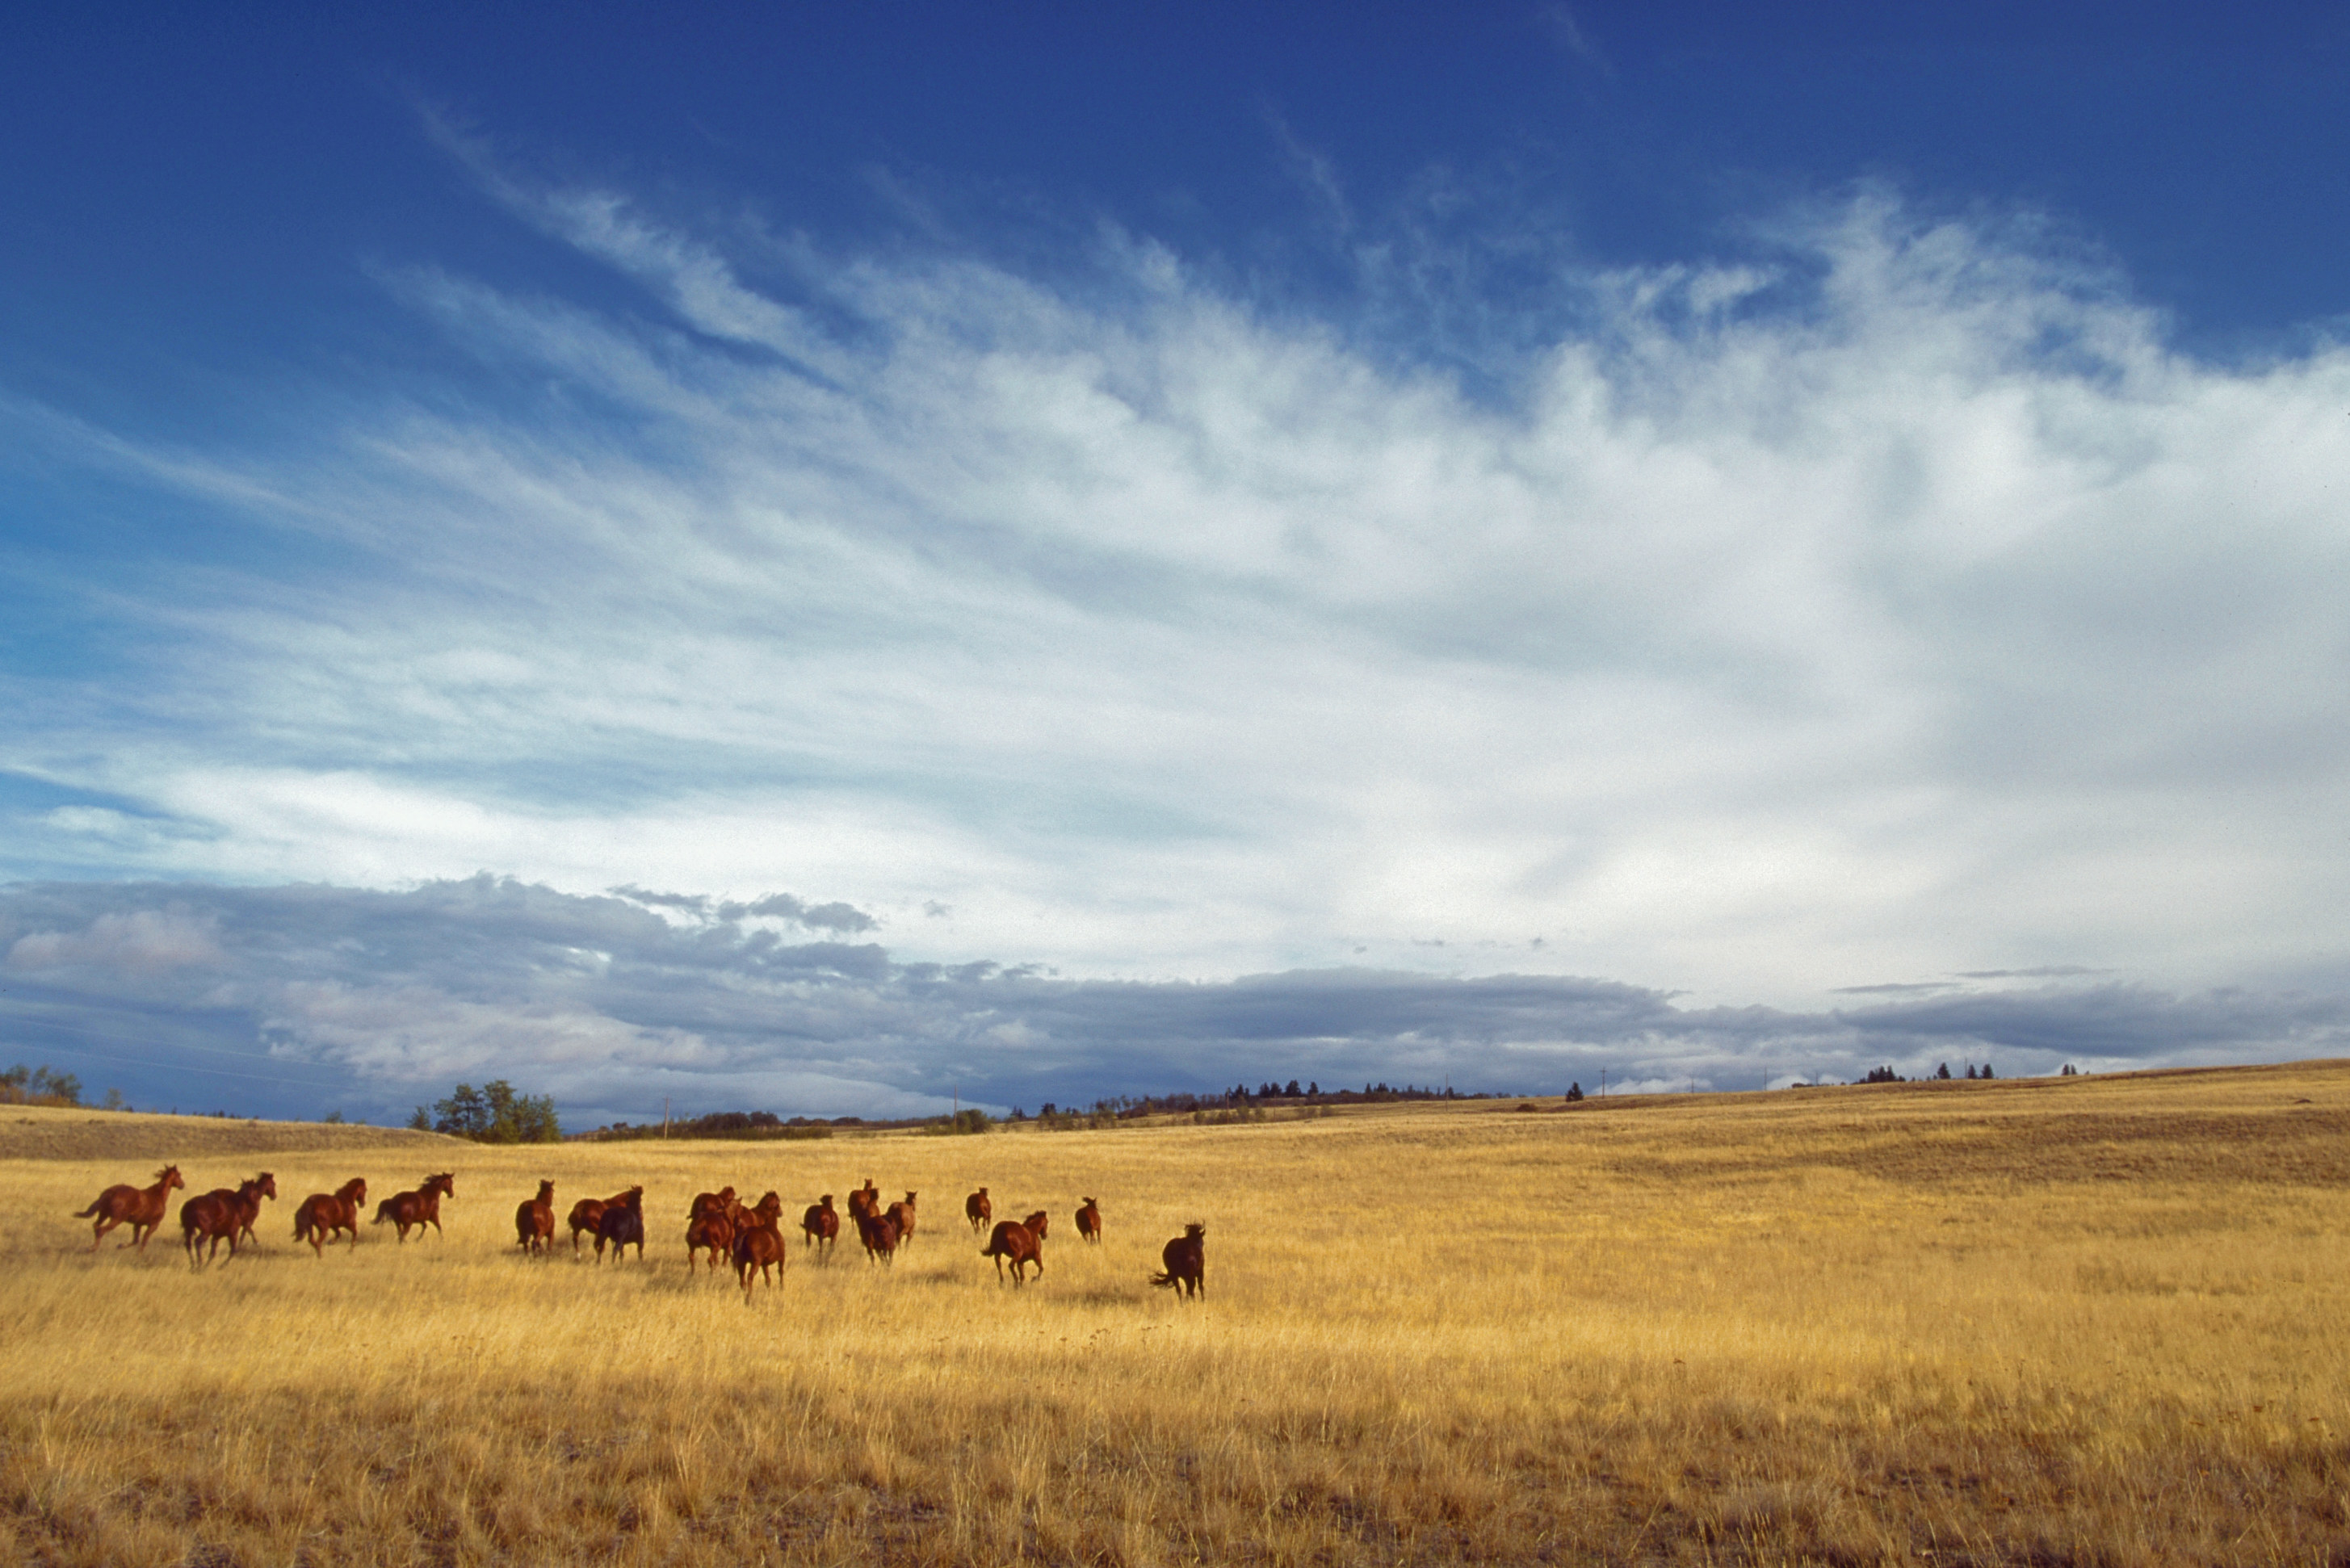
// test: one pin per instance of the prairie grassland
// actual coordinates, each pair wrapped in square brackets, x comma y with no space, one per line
[2078,1321]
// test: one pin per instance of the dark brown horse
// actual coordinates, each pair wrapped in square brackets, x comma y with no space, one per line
[140,1208]
[759,1245]
[587,1213]
[534,1220]
[1022,1242]
[325,1214]
[223,1214]
[978,1210]
[822,1223]
[719,1202]
[903,1213]
[1089,1221]
[622,1223]
[1186,1260]
[415,1210]
[880,1234]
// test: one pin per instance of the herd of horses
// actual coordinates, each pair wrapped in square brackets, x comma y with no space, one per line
[719,1224]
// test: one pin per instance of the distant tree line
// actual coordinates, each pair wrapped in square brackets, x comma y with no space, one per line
[493,1113]
[1941,1074]
[1115,1108]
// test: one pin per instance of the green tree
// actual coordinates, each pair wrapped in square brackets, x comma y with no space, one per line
[493,1113]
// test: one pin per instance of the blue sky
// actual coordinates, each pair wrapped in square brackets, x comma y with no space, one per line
[837,561]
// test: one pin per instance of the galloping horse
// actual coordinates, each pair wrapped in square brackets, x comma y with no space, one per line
[1186,1260]
[1089,1221]
[822,1223]
[420,1208]
[759,1245]
[323,1214]
[622,1223]
[715,1229]
[978,1210]
[223,1214]
[588,1213]
[1022,1242]
[140,1208]
[880,1234]
[534,1220]
[903,1213]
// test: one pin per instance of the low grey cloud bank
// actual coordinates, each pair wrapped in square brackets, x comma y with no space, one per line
[295,1000]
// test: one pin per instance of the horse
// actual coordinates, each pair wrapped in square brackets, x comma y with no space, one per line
[822,1223]
[418,1208]
[880,1234]
[622,1223]
[1089,1221]
[323,1214]
[1187,1265]
[903,1213]
[223,1214]
[716,1230]
[978,1210]
[534,1220]
[719,1202]
[1022,1242]
[587,1213]
[140,1208]
[864,1200]
[759,1246]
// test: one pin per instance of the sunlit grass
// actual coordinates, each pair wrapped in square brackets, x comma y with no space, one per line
[2080,1321]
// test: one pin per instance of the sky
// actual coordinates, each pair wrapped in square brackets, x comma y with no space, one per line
[852,563]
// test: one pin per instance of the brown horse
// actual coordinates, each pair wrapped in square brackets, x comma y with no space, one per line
[880,1234]
[140,1208]
[1021,1241]
[418,1208]
[587,1213]
[978,1210]
[1186,1260]
[903,1213]
[864,1200]
[534,1220]
[759,1245]
[222,1215]
[716,1230]
[1089,1221]
[822,1223]
[623,1222]
[719,1202]
[323,1214]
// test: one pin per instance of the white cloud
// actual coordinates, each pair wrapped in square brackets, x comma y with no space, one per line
[1894,604]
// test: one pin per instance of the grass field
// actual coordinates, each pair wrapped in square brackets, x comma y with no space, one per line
[2093,1320]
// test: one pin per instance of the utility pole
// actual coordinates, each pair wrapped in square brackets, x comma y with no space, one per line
[1603,1082]
[664,1116]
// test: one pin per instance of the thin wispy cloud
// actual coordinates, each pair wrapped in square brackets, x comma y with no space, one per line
[1885,603]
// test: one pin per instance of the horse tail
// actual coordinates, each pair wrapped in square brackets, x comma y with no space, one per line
[1163,1280]
[95,1205]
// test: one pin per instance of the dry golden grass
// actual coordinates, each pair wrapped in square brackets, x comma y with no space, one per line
[2080,1321]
